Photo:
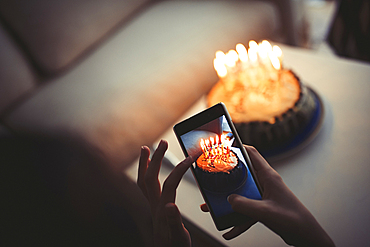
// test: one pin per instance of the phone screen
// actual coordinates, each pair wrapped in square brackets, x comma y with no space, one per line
[221,165]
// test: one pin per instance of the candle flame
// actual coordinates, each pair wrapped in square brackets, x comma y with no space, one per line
[242,51]
[207,142]
[264,48]
[231,58]
[257,54]
[252,53]
[202,144]
[262,52]
[278,52]
[267,45]
[219,67]
[220,55]
[253,44]
[217,149]
[274,61]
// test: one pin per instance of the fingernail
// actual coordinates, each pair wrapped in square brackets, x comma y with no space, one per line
[231,197]
[144,148]
[161,143]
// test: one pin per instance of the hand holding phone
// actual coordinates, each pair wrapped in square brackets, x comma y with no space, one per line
[232,182]
[280,210]
[222,166]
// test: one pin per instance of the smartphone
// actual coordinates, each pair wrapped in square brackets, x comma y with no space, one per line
[221,165]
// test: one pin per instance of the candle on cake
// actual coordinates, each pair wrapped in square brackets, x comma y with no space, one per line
[218,168]
[216,156]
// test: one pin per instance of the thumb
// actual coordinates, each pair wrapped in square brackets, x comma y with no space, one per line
[255,209]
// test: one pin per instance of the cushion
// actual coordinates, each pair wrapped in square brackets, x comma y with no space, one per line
[16,76]
[56,33]
[139,83]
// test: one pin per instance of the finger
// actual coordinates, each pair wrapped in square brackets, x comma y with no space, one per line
[143,166]
[173,216]
[259,163]
[255,209]
[155,163]
[151,177]
[237,230]
[173,180]
[204,207]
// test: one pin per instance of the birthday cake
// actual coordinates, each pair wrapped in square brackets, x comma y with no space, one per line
[268,105]
[220,173]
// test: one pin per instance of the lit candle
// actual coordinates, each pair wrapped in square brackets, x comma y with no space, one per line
[252,52]
[262,52]
[253,58]
[253,70]
[231,58]
[275,61]
[220,67]
[203,148]
[243,55]
[278,52]
[220,55]
[207,146]
[274,75]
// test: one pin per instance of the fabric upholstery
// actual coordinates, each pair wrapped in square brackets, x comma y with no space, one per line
[56,33]
[16,76]
[144,78]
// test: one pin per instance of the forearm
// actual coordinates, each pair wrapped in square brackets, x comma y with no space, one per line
[315,235]
[309,233]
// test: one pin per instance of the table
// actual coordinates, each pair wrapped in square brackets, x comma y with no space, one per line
[331,175]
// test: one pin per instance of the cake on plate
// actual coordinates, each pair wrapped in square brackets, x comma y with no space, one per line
[222,173]
[268,104]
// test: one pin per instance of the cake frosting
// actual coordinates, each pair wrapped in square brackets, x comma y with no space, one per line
[282,111]
[261,102]
[220,175]
[218,163]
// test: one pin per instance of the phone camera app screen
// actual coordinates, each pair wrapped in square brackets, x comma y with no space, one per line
[219,166]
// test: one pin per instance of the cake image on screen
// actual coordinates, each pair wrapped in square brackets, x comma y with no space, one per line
[218,168]
[267,103]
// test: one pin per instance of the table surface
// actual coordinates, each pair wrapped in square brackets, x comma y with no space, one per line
[331,175]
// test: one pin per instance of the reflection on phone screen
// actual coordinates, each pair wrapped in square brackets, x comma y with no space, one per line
[219,166]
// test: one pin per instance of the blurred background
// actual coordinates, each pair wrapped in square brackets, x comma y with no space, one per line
[319,15]
[339,27]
